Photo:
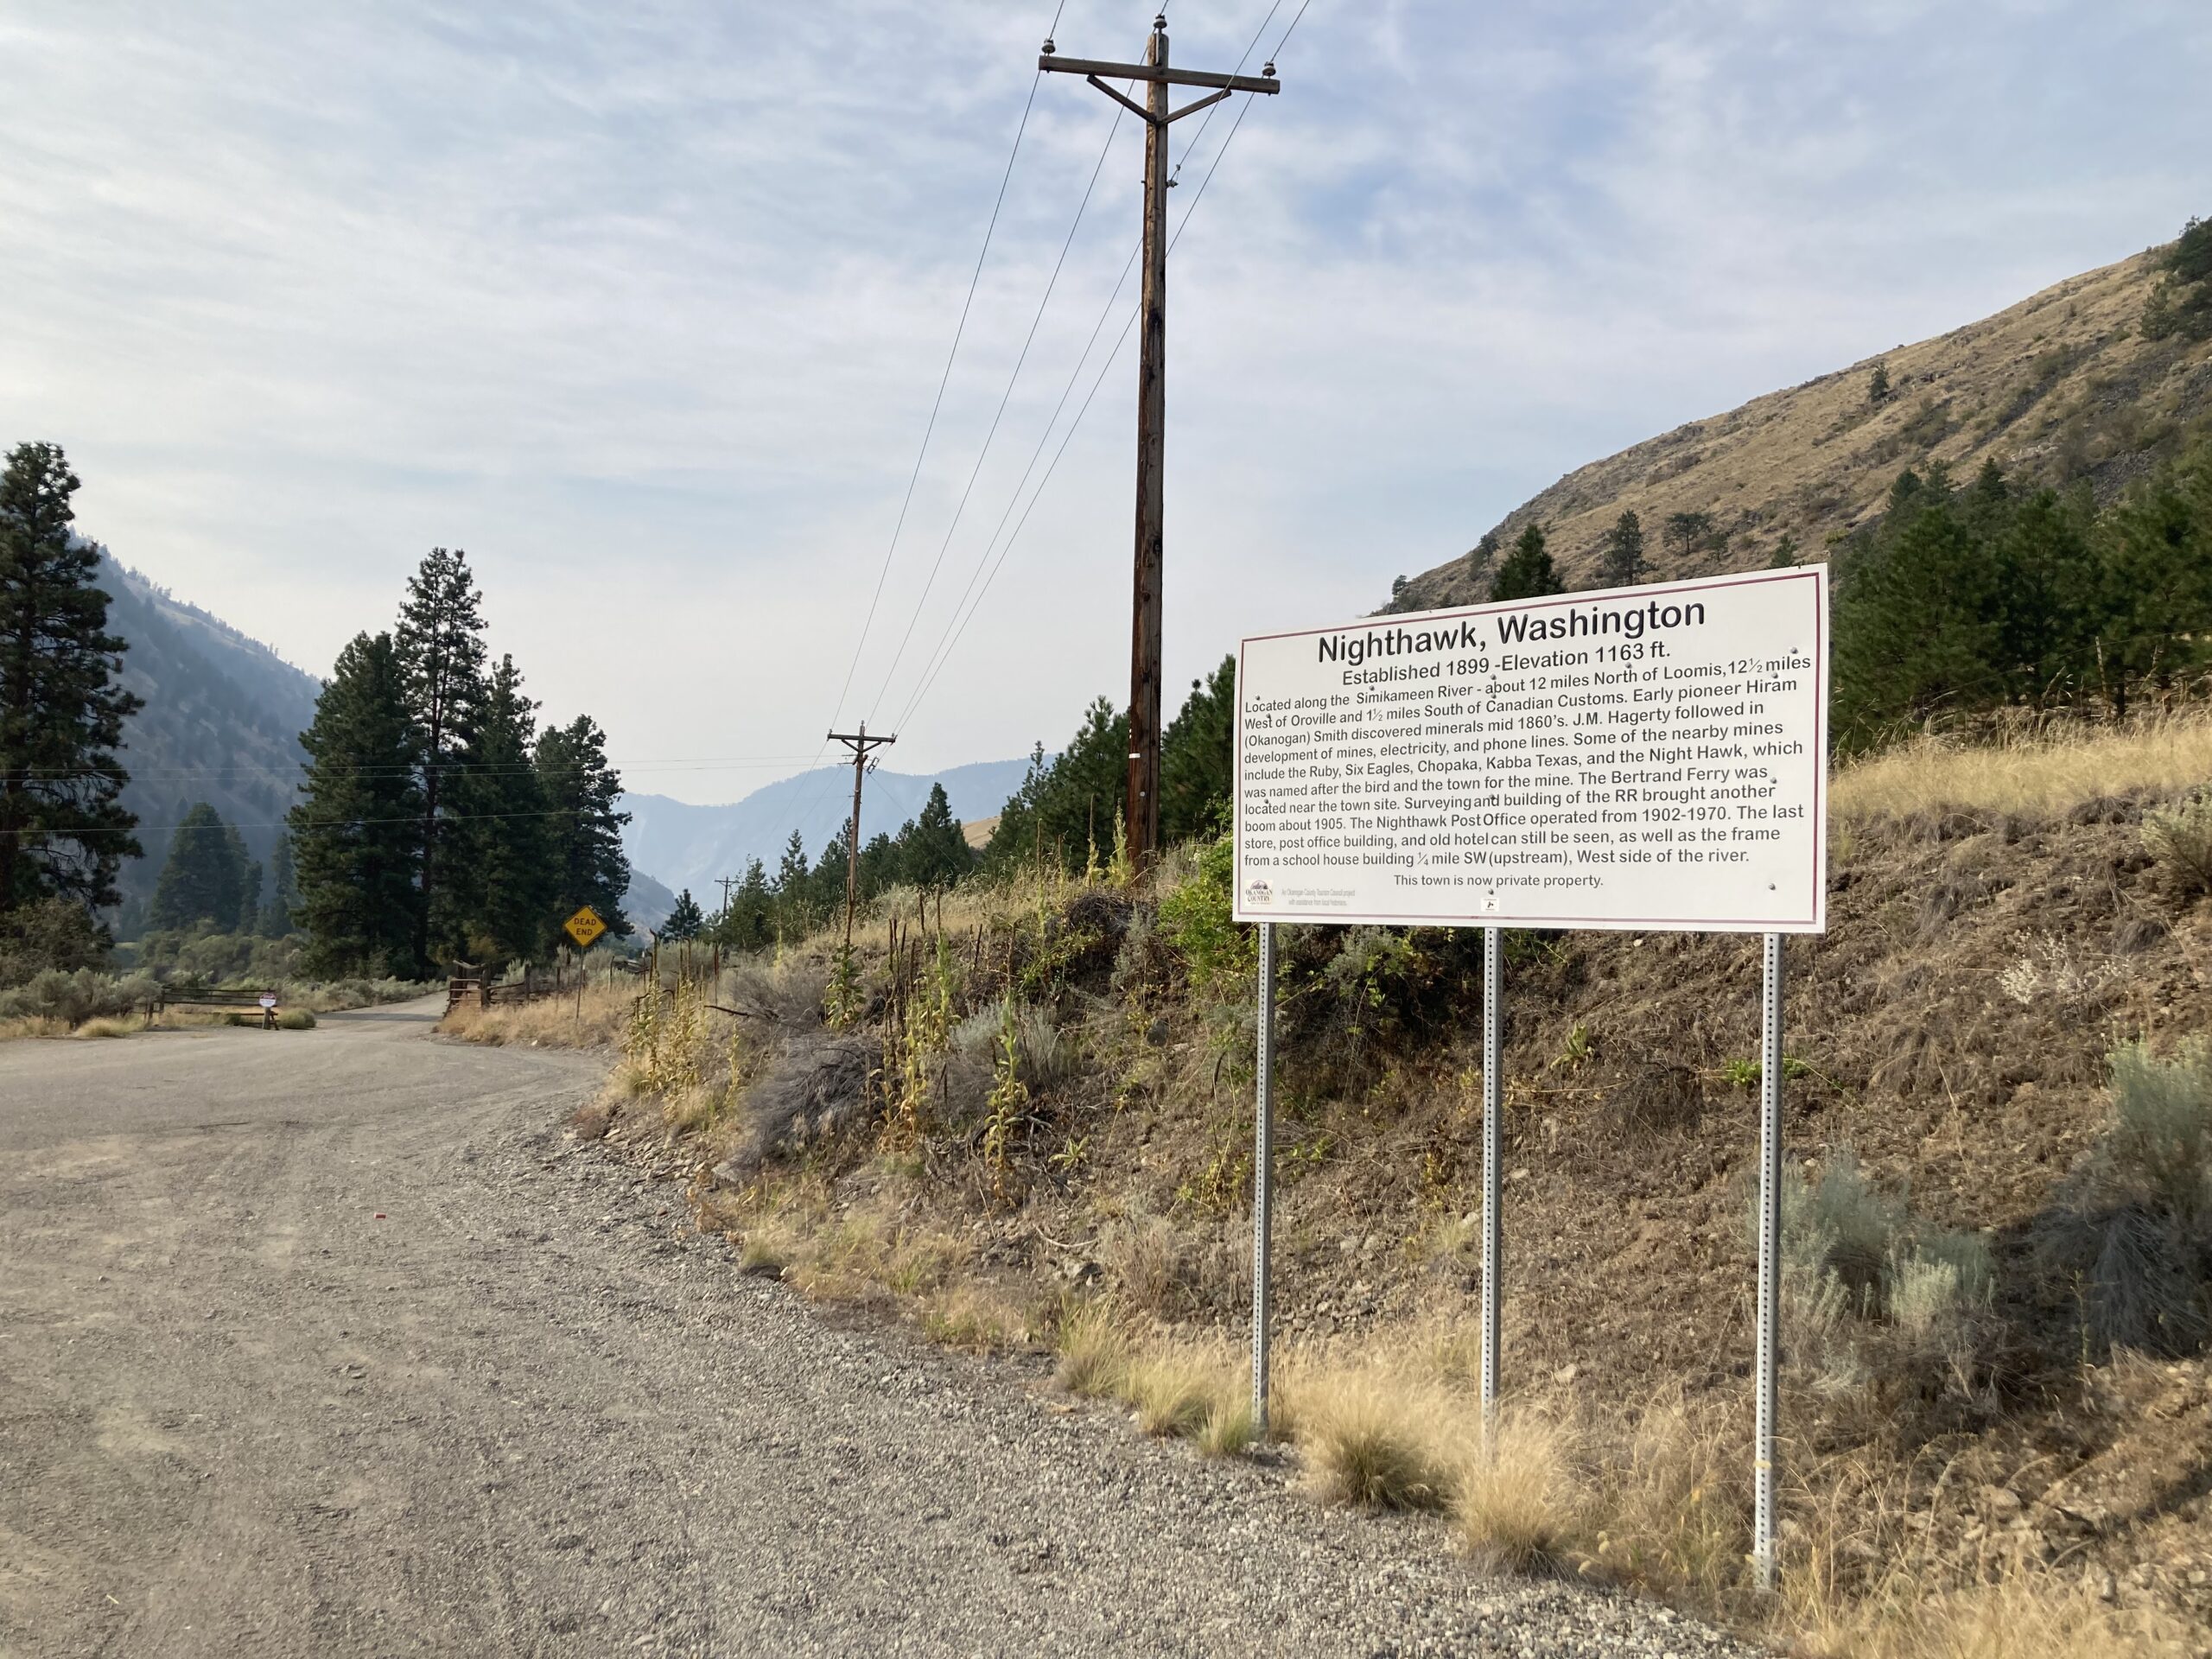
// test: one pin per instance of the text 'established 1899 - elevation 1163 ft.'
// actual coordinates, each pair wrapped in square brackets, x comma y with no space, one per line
[1643,758]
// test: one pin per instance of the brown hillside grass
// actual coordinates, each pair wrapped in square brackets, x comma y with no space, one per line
[1964,1474]
[2035,773]
[2058,387]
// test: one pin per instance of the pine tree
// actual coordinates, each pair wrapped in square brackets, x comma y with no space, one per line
[933,851]
[275,921]
[749,921]
[793,903]
[1527,571]
[584,828]
[357,836]
[1198,772]
[200,884]
[1877,385]
[1686,531]
[496,902]
[441,652]
[1621,563]
[685,921]
[62,833]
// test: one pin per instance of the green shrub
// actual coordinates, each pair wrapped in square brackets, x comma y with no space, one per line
[296,1019]
[2181,840]
[1219,956]
[1860,1271]
[2132,1230]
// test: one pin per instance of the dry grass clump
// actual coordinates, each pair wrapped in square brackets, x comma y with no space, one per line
[974,1317]
[106,1027]
[1376,1439]
[549,1022]
[2041,775]
[1190,1390]
[1095,1348]
[2022,1613]
[1514,1499]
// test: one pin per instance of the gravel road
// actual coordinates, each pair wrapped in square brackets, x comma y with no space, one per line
[322,1343]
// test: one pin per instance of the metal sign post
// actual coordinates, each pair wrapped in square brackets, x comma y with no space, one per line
[1770,1308]
[1493,1155]
[1263,1177]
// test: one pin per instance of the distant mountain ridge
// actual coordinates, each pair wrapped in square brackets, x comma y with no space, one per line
[2062,387]
[222,721]
[692,847]
[221,724]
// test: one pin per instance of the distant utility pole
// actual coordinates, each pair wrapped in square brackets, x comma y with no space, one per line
[860,743]
[1141,806]
[727,882]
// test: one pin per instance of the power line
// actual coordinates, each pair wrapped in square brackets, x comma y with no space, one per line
[945,379]
[1113,130]
[955,633]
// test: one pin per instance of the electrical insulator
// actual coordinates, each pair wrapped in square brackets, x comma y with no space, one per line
[1049,48]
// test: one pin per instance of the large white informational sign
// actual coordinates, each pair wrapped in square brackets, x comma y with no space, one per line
[1648,758]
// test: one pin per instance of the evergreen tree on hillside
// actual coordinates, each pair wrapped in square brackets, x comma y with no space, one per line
[1065,811]
[749,921]
[584,832]
[1621,561]
[1877,385]
[62,833]
[2155,585]
[1198,771]
[202,883]
[685,921]
[496,902]
[932,852]
[1684,532]
[357,836]
[793,902]
[1527,571]
[2182,303]
[439,645]
[276,921]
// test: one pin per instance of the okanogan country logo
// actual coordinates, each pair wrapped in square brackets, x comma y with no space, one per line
[1259,892]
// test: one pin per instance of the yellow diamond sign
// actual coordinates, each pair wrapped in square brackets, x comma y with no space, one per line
[583,927]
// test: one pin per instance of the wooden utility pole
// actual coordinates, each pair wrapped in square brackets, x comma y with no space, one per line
[1141,803]
[860,743]
[727,882]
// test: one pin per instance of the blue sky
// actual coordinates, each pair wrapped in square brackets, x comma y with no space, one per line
[646,306]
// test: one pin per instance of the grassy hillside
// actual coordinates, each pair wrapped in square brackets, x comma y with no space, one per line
[2062,387]
[1035,1131]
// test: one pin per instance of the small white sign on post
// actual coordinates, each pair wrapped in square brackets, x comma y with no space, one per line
[1648,758]
[1645,758]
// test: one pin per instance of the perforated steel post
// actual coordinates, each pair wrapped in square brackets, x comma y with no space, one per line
[1770,1308]
[1493,1156]
[1263,1175]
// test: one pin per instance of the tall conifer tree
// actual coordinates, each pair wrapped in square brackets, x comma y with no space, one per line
[439,645]
[583,796]
[495,903]
[357,837]
[202,882]
[62,833]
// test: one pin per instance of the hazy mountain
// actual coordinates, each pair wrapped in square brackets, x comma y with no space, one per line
[221,724]
[2060,388]
[646,904]
[691,846]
